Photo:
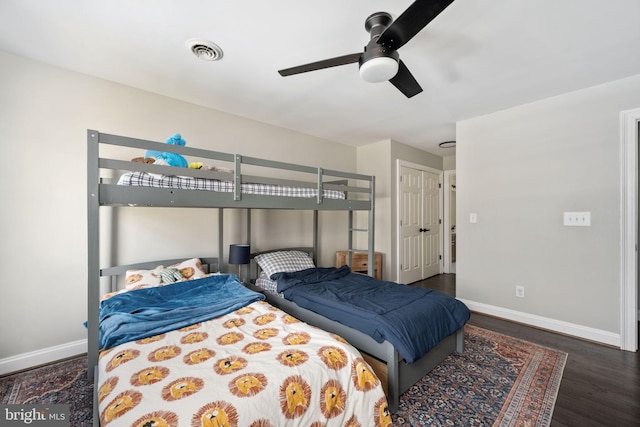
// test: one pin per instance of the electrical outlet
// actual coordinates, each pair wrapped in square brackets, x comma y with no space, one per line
[520,291]
[577,219]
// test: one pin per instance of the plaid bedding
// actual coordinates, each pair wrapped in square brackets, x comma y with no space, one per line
[143,179]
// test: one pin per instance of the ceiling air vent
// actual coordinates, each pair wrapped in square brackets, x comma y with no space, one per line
[204,49]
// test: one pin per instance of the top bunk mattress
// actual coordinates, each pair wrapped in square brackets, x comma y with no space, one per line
[144,179]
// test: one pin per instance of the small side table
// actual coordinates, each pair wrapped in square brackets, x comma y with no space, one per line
[360,262]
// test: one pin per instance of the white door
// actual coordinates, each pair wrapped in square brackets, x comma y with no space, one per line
[430,224]
[419,224]
[410,224]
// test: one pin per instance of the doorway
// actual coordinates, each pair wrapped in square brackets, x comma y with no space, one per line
[629,294]
[420,223]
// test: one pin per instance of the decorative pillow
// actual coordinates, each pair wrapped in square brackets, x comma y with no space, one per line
[283,261]
[138,279]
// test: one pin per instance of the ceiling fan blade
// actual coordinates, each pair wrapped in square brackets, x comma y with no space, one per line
[411,22]
[326,63]
[405,82]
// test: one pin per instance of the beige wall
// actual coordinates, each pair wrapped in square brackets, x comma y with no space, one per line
[519,170]
[381,159]
[449,163]
[44,115]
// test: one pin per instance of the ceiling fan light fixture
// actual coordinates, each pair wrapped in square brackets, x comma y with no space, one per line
[379,69]
[380,61]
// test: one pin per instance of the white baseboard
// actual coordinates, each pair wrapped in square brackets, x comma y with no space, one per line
[584,332]
[40,357]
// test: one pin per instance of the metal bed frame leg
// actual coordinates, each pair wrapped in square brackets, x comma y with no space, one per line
[96,411]
[460,340]
[393,379]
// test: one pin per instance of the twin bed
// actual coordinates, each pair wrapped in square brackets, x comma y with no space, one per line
[220,360]
[207,351]
[403,331]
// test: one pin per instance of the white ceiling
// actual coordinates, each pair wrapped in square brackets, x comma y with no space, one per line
[477,57]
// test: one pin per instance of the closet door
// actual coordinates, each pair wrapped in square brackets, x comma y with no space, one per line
[420,225]
[430,224]
[410,225]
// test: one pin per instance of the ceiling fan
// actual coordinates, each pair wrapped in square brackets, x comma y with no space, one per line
[380,60]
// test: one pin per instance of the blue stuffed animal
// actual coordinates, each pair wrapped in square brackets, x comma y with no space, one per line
[172,159]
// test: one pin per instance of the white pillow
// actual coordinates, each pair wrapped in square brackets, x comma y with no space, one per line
[283,261]
[139,279]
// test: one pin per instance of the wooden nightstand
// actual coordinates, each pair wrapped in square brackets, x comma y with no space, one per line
[359,262]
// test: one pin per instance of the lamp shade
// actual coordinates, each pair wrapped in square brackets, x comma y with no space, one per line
[239,254]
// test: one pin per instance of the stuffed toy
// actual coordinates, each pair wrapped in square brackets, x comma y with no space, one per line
[172,159]
[143,160]
[170,275]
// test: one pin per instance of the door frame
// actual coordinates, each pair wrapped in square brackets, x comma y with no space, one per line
[399,164]
[629,139]
[446,221]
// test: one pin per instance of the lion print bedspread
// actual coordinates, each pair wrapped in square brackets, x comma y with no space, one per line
[256,366]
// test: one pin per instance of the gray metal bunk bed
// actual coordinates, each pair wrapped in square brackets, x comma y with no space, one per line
[358,195]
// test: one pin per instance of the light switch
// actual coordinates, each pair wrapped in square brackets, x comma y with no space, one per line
[577,219]
[473,217]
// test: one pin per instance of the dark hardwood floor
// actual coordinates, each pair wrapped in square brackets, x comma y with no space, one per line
[600,385]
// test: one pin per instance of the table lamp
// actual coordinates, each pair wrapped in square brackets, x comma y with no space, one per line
[239,255]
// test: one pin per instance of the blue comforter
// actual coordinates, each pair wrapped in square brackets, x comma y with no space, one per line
[413,319]
[146,312]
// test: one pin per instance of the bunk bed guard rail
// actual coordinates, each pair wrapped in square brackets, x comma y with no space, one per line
[357,189]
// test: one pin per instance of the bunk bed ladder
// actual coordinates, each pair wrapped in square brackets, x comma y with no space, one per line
[370,234]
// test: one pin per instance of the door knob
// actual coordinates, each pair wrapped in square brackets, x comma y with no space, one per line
[423,230]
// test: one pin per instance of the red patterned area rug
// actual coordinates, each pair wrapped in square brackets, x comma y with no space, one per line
[63,382]
[497,381]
